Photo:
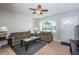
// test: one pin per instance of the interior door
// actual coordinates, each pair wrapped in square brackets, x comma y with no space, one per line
[67,29]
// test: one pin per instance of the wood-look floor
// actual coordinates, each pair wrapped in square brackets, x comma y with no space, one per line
[53,48]
[6,51]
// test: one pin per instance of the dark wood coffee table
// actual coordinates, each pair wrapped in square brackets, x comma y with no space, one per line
[26,42]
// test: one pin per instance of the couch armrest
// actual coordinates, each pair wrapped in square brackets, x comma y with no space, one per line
[10,40]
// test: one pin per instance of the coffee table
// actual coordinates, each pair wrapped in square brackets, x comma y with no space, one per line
[28,41]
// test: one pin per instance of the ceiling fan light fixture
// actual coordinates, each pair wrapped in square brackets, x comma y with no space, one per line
[38,12]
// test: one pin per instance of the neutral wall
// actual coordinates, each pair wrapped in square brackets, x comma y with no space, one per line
[16,22]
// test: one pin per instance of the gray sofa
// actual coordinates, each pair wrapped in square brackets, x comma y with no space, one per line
[15,38]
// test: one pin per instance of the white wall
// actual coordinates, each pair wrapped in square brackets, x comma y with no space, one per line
[16,22]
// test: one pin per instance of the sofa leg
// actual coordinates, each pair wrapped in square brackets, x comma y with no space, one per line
[21,43]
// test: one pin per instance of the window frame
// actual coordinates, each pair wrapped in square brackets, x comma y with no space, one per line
[50,22]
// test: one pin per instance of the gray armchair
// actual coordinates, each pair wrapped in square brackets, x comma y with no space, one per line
[46,36]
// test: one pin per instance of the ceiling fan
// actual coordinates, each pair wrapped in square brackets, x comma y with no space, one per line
[38,10]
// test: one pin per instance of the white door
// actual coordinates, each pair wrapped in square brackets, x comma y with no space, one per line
[67,29]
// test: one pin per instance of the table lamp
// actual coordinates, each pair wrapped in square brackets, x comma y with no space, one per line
[35,30]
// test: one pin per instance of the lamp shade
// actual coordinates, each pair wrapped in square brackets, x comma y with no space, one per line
[35,28]
[3,29]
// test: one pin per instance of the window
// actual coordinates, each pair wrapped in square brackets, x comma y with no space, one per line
[48,26]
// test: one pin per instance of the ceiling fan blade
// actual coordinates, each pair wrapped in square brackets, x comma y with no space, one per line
[33,12]
[45,10]
[31,9]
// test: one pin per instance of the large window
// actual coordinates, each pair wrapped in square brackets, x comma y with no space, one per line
[48,26]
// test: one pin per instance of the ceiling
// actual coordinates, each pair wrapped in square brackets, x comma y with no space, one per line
[53,8]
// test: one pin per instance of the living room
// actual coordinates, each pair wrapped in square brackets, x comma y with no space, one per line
[59,21]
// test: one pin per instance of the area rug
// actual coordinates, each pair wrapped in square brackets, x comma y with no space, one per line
[32,49]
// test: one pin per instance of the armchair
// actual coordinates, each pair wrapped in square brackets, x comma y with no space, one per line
[46,36]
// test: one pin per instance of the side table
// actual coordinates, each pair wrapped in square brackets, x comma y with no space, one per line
[3,41]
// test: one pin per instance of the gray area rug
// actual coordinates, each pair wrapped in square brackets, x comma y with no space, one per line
[32,49]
